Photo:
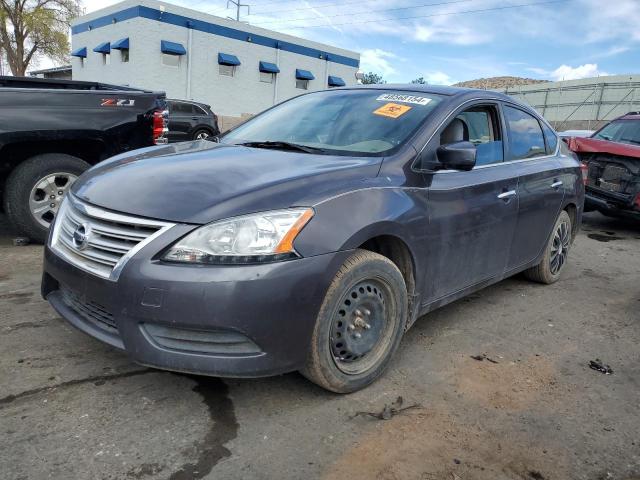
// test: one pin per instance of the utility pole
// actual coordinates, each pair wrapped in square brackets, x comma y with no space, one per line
[239,5]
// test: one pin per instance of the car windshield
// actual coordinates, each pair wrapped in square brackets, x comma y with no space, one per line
[622,131]
[338,122]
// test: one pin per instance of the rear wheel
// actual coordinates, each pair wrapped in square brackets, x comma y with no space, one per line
[36,188]
[555,256]
[360,324]
[201,134]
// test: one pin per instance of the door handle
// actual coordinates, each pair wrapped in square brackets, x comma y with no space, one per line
[556,184]
[507,195]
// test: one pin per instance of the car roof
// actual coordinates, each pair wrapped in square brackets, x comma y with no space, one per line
[435,89]
[188,101]
[630,116]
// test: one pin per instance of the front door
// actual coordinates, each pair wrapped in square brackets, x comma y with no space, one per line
[473,214]
[179,121]
[472,218]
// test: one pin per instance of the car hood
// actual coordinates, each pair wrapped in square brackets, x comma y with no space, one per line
[593,145]
[199,182]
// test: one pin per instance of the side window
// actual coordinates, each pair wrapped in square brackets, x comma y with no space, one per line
[181,108]
[479,125]
[525,135]
[551,138]
[199,111]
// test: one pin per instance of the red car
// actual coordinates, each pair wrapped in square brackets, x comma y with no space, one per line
[612,158]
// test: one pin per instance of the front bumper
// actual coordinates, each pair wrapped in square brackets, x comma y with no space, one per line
[273,307]
[609,204]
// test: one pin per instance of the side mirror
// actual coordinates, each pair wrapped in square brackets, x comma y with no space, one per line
[457,156]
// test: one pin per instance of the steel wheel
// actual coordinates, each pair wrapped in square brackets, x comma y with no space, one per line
[47,194]
[559,248]
[203,135]
[361,329]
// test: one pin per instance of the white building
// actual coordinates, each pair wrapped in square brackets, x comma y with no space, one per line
[234,67]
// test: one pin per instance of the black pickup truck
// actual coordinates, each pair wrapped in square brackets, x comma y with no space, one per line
[53,130]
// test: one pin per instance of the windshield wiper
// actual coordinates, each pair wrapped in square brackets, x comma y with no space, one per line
[278,145]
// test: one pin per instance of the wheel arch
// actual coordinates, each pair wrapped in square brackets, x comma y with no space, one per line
[199,127]
[397,250]
[572,210]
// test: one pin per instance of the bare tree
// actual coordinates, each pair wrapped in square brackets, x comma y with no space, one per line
[31,28]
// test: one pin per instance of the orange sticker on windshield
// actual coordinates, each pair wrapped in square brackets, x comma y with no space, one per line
[392,110]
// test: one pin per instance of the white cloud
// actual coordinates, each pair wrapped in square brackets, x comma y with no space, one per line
[378,61]
[438,78]
[565,72]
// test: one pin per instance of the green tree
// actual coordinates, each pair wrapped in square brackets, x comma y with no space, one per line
[419,80]
[33,28]
[369,78]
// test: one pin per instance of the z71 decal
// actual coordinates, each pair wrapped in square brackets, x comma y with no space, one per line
[117,102]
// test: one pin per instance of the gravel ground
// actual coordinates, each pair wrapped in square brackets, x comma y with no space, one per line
[72,408]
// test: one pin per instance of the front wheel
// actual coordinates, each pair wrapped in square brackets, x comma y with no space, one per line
[360,324]
[556,252]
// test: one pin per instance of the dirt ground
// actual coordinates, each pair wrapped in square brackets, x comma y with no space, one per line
[72,408]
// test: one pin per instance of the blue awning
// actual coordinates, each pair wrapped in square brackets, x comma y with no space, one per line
[80,52]
[267,67]
[336,81]
[304,74]
[103,48]
[122,44]
[172,48]
[228,59]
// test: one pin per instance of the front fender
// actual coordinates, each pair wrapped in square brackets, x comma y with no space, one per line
[346,221]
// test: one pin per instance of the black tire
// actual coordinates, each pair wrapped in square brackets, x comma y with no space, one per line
[546,271]
[370,280]
[26,177]
[201,131]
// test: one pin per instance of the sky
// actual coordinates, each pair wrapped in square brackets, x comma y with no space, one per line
[447,41]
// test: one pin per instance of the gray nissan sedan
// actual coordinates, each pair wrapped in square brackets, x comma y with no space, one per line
[312,236]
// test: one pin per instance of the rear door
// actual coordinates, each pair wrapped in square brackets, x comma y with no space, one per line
[540,183]
[472,215]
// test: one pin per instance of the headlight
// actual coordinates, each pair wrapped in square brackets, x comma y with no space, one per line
[256,238]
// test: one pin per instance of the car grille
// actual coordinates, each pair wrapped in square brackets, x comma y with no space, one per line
[609,177]
[91,312]
[100,241]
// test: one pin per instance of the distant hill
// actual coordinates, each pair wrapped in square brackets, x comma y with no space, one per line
[493,83]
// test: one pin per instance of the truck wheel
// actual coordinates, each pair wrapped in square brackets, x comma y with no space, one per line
[555,255]
[35,189]
[360,324]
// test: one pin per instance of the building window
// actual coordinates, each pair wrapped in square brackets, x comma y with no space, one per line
[106,58]
[124,55]
[267,77]
[227,70]
[169,60]
[302,84]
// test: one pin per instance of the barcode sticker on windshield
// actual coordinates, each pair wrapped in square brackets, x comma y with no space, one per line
[392,110]
[397,97]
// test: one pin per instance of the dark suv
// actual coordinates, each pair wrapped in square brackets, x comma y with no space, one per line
[191,121]
[315,234]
